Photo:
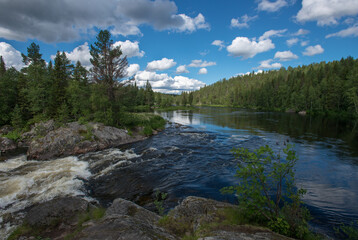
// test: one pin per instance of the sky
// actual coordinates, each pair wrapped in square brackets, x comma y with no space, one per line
[184,45]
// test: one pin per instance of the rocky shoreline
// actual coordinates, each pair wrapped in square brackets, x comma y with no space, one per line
[45,141]
[193,218]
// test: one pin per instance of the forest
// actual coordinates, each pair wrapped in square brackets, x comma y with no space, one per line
[68,92]
[319,88]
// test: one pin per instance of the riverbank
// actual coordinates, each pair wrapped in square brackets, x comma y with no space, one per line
[194,218]
[48,140]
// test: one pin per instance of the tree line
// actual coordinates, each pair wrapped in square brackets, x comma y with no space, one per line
[319,88]
[68,92]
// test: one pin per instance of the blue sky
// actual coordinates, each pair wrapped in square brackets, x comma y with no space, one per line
[183,45]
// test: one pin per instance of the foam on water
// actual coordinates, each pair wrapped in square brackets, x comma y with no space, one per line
[24,183]
[117,158]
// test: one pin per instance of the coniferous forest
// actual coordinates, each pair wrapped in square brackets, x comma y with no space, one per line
[67,92]
[319,88]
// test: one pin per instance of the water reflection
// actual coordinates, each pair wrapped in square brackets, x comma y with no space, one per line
[327,149]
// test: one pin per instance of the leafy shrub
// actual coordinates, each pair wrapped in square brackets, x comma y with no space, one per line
[266,190]
[13,135]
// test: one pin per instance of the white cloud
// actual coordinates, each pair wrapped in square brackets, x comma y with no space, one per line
[268,64]
[285,56]
[326,12]
[192,24]
[166,84]
[182,69]
[203,71]
[301,32]
[242,22]
[245,48]
[266,5]
[272,33]
[80,53]
[11,56]
[218,43]
[162,64]
[349,32]
[292,41]
[130,49]
[313,50]
[304,43]
[67,20]
[132,69]
[200,63]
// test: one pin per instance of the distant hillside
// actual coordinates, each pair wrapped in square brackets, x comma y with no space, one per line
[329,88]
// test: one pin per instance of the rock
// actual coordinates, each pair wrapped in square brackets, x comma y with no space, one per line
[74,139]
[303,113]
[39,130]
[6,129]
[6,145]
[126,220]
[60,210]
[202,216]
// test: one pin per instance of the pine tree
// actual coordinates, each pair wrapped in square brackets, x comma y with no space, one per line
[2,66]
[108,65]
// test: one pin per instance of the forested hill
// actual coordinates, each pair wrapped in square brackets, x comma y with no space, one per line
[317,88]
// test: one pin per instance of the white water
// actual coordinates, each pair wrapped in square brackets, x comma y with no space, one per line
[24,183]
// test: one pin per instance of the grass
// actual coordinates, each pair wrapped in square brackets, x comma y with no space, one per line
[13,135]
[148,121]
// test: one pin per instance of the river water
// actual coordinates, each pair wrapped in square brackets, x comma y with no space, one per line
[193,158]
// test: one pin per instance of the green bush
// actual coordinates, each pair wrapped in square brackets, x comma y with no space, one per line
[266,191]
[13,135]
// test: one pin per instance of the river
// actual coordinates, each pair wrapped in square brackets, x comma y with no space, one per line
[193,158]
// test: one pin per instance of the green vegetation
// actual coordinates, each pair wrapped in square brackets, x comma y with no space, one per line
[320,88]
[93,214]
[14,135]
[67,92]
[266,192]
[160,197]
[348,231]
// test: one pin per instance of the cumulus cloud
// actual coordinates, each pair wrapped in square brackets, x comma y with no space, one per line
[67,20]
[166,84]
[349,32]
[80,53]
[200,63]
[182,69]
[272,33]
[268,6]
[11,56]
[132,69]
[326,12]
[242,22]
[292,41]
[301,32]
[268,64]
[203,71]
[285,56]
[160,65]
[313,50]
[130,49]
[245,48]
[218,43]
[192,24]
[304,43]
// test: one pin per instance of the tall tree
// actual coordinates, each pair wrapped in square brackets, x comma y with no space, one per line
[61,75]
[2,66]
[109,67]
[33,55]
